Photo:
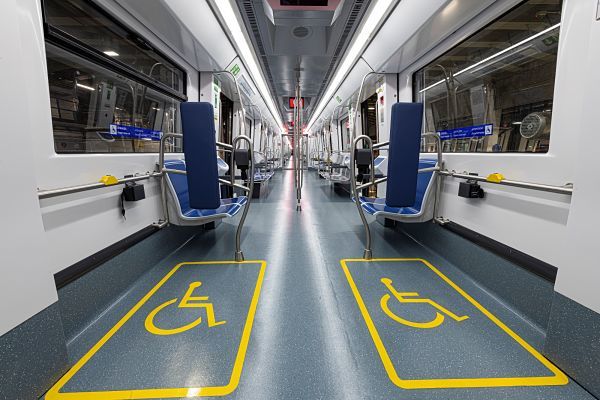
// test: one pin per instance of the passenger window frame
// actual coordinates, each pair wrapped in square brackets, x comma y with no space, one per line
[62,39]
[469,35]
[55,37]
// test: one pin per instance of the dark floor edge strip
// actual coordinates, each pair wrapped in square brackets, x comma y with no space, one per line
[80,268]
[525,261]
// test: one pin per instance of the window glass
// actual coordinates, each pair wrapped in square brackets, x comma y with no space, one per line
[95,110]
[494,91]
[86,24]
[369,117]
[345,134]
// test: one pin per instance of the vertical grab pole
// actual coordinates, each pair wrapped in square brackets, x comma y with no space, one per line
[438,183]
[160,168]
[302,140]
[368,253]
[239,255]
[298,163]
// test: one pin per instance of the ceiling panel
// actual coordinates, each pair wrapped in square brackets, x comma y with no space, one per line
[299,42]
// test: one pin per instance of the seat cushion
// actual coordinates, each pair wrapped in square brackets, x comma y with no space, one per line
[178,186]
[375,206]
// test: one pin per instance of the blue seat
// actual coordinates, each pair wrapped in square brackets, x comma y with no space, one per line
[262,176]
[379,161]
[178,188]
[419,210]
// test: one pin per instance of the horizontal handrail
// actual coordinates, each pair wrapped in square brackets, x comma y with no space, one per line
[46,194]
[568,190]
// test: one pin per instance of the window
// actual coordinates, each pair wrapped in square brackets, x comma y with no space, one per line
[494,91]
[105,95]
[82,22]
[345,134]
[369,117]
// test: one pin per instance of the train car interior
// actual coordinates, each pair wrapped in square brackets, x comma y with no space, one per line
[299,199]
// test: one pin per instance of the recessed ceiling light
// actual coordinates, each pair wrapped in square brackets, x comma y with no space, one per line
[111,53]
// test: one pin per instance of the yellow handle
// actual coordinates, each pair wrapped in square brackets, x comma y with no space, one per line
[495,178]
[109,180]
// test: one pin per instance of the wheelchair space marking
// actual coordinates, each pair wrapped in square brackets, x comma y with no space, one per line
[55,394]
[559,378]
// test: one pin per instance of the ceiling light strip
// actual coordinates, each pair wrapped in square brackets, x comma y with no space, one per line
[246,54]
[377,13]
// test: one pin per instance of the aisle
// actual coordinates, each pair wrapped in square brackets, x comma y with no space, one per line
[304,326]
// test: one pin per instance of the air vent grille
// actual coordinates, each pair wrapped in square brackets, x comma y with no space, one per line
[358,8]
[251,16]
[305,3]
[301,32]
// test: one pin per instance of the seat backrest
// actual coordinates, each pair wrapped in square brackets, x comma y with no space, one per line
[200,149]
[179,185]
[403,158]
[424,182]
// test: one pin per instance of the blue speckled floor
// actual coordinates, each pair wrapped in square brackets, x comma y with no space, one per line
[309,338]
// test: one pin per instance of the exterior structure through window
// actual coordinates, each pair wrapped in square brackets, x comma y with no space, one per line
[110,91]
[494,91]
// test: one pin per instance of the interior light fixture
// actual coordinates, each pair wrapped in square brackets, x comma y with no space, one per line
[247,55]
[111,53]
[85,87]
[377,13]
[493,56]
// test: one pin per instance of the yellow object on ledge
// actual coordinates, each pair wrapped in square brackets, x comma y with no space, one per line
[495,178]
[109,180]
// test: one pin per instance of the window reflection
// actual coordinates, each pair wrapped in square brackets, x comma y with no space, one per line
[494,91]
[86,24]
[94,110]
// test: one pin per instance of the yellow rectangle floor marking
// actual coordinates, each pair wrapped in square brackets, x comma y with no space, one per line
[55,394]
[559,378]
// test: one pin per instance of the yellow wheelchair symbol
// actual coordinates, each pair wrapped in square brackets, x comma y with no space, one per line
[412,297]
[188,301]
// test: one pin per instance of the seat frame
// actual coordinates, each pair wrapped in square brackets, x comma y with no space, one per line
[175,213]
[425,213]
[239,255]
[356,188]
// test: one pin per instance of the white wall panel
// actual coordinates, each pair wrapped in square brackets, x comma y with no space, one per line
[199,19]
[579,271]
[26,283]
[187,27]
[406,19]
[79,225]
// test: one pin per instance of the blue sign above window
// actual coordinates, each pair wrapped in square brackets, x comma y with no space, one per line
[467,132]
[133,132]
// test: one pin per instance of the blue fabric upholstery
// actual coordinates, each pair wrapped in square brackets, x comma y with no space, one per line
[200,149]
[179,188]
[374,206]
[403,161]
[378,161]
[263,176]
